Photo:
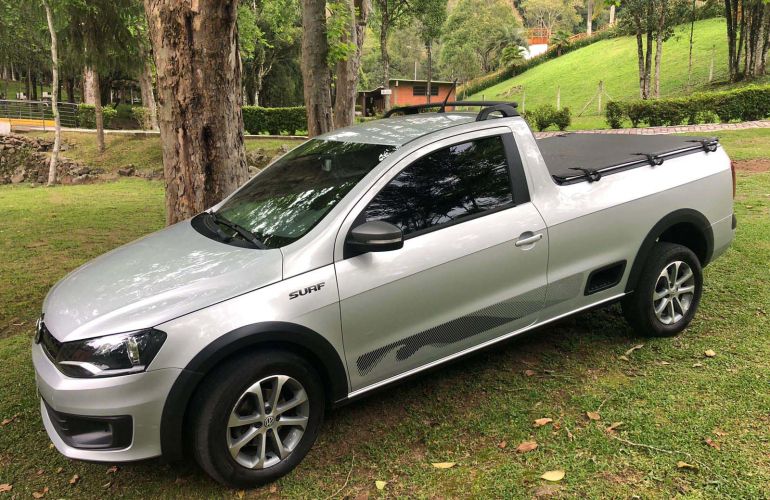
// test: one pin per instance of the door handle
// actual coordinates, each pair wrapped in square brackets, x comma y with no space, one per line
[528,239]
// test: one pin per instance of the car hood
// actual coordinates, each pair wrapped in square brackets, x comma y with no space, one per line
[157,278]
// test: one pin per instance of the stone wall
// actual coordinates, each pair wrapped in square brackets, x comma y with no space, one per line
[26,159]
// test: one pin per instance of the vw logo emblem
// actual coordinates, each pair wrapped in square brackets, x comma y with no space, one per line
[269,421]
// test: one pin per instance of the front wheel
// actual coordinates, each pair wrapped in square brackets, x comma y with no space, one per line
[668,292]
[257,417]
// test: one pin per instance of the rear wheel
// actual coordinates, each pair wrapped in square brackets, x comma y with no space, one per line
[257,417]
[668,292]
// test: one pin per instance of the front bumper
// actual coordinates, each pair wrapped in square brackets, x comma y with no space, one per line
[140,396]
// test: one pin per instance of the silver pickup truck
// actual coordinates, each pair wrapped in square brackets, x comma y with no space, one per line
[359,258]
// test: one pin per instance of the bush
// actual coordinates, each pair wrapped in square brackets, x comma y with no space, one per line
[546,115]
[614,113]
[562,118]
[87,116]
[744,104]
[258,120]
[124,111]
[142,116]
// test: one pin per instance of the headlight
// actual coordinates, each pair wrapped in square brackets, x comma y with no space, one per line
[110,355]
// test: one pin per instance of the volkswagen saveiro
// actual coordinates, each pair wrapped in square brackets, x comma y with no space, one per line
[359,258]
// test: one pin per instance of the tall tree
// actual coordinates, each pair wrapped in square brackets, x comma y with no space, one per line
[589,17]
[431,16]
[551,14]
[347,68]
[651,22]
[54,95]
[475,34]
[315,70]
[390,13]
[270,34]
[195,45]
[748,37]
[99,38]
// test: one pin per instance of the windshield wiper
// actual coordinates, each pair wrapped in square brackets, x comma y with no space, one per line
[242,231]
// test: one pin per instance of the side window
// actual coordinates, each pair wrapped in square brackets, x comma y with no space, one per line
[446,186]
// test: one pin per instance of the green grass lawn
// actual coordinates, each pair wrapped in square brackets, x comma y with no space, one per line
[141,150]
[614,61]
[669,397]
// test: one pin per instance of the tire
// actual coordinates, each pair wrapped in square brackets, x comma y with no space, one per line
[656,308]
[230,395]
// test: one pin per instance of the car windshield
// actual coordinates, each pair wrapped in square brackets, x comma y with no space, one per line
[283,203]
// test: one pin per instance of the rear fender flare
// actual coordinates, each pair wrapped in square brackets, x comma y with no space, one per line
[685,215]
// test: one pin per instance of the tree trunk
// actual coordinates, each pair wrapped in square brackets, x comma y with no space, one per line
[195,45]
[98,113]
[659,45]
[29,83]
[612,15]
[88,86]
[658,58]
[429,50]
[385,57]
[148,94]
[347,70]
[589,17]
[640,61]
[648,65]
[54,96]
[70,86]
[33,85]
[315,71]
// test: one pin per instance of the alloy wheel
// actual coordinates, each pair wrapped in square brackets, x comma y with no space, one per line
[674,292]
[267,422]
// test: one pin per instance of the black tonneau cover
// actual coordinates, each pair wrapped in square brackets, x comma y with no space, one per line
[575,158]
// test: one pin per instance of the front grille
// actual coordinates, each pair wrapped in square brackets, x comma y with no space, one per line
[51,346]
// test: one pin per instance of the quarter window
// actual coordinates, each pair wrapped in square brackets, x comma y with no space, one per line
[446,186]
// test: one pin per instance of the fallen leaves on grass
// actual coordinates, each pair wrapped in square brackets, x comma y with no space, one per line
[709,353]
[443,465]
[543,421]
[631,351]
[593,415]
[698,365]
[59,470]
[380,485]
[553,475]
[41,493]
[685,465]
[612,427]
[713,444]
[112,470]
[526,447]
[74,480]
[5,487]
[529,373]
[502,445]
[7,421]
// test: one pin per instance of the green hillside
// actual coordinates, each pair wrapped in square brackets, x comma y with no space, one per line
[614,61]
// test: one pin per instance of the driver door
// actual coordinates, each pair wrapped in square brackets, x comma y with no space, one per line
[472,267]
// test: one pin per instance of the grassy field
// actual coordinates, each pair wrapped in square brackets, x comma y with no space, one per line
[141,150]
[614,62]
[668,395]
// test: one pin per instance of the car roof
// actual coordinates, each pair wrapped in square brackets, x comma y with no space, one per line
[398,130]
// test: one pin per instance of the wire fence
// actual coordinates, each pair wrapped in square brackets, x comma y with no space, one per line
[38,113]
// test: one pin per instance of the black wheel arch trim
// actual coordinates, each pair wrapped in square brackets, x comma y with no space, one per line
[685,215]
[246,337]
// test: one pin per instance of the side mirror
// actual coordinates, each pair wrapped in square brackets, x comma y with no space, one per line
[375,236]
